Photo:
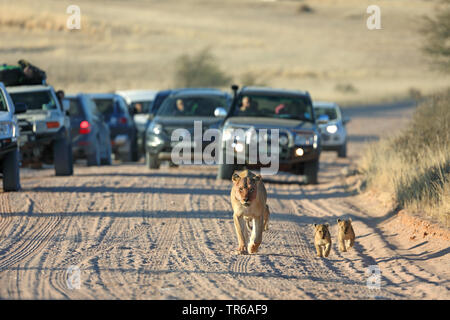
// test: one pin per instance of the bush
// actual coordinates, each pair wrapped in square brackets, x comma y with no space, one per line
[415,165]
[199,70]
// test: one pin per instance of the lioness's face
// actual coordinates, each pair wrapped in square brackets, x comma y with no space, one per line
[343,225]
[245,188]
[322,230]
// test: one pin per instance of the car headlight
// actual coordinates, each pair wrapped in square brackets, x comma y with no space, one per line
[304,139]
[155,128]
[6,129]
[284,140]
[332,128]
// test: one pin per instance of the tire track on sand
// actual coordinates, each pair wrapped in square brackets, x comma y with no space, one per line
[31,241]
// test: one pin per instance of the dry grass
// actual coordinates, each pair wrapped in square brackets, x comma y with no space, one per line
[414,167]
[135,44]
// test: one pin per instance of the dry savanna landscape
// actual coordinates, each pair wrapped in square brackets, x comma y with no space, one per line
[323,46]
[132,232]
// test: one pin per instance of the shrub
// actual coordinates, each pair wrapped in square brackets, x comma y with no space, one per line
[199,70]
[415,165]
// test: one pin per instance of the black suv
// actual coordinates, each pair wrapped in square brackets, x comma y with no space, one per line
[289,112]
[179,110]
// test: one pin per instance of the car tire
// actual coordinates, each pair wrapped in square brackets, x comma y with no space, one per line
[311,171]
[152,161]
[134,151]
[225,171]
[11,174]
[63,159]
[94,159]
[107,159]
[342,151]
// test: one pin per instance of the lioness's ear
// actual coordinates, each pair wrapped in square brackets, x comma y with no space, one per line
[338,220]
[236,177]
[350,219]
[327,225]
[257,177]
[315,225]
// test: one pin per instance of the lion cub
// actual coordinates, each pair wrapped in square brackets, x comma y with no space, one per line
[322,240]
[346,234]
[250,211]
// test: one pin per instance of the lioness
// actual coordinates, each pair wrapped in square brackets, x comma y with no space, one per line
[250,212]
[345,234]
[322,240]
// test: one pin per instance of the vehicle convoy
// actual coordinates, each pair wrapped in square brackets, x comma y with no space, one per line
[179,110]
[121,125]
[44,128]
[9,147]
[332,127]
[90,134]
[139,104]
[288,111]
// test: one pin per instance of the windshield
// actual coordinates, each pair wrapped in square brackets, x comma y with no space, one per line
[2,102]
[193,106]
[288,107]
[35,100]
[330,112]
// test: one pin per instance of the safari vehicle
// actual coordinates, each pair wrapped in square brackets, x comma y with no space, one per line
[139,104]
[290,112]
[9,134]
[197,105]
[332,127]
[44,128]
[90,134]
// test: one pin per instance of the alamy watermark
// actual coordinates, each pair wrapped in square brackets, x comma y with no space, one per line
[374,20]
[74,20]
[73,278]
[230,146]
[374,277]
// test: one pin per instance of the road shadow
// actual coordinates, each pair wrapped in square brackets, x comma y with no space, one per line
[151,175]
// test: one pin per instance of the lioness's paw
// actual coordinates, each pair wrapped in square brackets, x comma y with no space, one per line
[253,248]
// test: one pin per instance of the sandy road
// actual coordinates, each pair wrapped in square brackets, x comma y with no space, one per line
[168,234]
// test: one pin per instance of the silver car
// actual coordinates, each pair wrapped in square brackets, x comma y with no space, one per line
[332,127]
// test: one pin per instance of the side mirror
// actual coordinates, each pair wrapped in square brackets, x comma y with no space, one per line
[20,107]
[66,105]
[220,112]
[323,119]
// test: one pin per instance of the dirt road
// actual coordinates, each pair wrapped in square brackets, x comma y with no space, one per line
[168,234]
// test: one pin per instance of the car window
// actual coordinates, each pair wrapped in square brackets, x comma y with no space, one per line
[158,101]
[271,106]
[2,102]
[330,112]
[75,109]
[192,106]
[141,106]
[35,100]
[105,106]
